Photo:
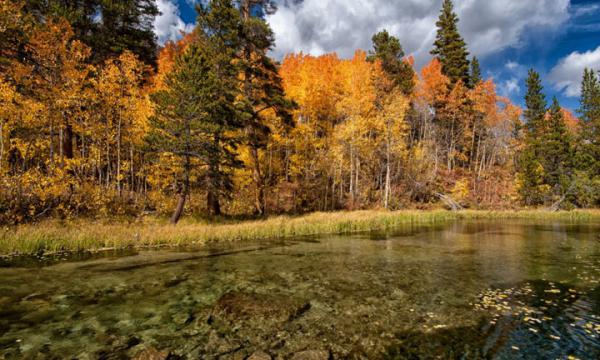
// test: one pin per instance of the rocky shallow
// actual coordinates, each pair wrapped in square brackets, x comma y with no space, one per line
[464,291]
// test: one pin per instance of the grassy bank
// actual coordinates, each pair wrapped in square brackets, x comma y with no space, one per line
[82,235]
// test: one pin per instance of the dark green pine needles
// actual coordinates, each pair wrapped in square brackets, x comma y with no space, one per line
[449,46]
[388,50]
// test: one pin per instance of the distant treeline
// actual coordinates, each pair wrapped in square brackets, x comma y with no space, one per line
[96,120]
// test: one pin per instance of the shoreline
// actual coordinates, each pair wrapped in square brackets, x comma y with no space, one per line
[93,236]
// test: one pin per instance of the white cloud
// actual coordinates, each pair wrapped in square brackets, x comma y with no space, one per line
[168,25]
[585,9]
[510,87]
[567,74]
[511,65]
[317,26]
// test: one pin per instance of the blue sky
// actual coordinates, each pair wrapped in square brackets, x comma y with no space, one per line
[556,37]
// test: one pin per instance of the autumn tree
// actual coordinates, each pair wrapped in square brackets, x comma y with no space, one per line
[58,77]
[15,27]
[121,120]
[449,46]
[391,125]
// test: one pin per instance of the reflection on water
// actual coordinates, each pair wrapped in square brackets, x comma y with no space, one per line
[504,290]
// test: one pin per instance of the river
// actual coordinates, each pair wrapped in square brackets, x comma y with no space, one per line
[464,289]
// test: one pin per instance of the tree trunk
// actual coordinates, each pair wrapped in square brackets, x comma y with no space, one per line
[52,142]
[179,209]
[387,178]
[351,174]
[61,148]
[67,142]
[183,194]
[259,195]
[119,155]
[357,173]
[213,204]
[1,144]
[131,170]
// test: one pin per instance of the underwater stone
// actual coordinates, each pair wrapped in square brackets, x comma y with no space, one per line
[152,354]
[259,355]
[311,355]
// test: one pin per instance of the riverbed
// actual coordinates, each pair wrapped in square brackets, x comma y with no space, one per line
[460,289]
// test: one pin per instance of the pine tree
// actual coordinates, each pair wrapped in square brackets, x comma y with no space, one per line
[450,47]
[531,173]
[262,87]
[476,77]
[109,27]
[587,156]
[125,25]
[590,106]
[556,151]
[530,178]
[199,112]
[387,49]
[536,106]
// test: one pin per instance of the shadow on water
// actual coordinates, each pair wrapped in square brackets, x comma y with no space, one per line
[454,343]
[43,260]
[530,320]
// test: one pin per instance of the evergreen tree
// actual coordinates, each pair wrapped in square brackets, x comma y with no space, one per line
[530,177]
[262,87]
[556,151]
[536,106]
[199,112]
[590,106]
[450,47]
[124,25]
[587,158]
[531,174]
[476,77]
[387,49]
[109,27]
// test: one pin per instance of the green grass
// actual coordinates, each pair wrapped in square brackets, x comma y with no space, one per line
[87,235]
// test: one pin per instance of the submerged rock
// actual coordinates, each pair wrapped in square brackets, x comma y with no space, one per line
[176,280]
[240,305]
[259,355]
[152,354]
[311,355]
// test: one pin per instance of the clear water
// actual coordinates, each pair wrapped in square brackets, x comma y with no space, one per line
[501,290]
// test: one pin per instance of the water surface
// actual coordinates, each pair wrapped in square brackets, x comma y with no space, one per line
[501,290]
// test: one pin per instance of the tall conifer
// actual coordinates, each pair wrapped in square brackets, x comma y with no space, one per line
[536,106]
[531,172]
[198,112]
[262,87]
[556,150]
[476,77]
[388,50]
[109,27]
[450,47]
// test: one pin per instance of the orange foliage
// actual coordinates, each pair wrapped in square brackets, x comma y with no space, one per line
[571,121]
[433,87]
[168,54]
